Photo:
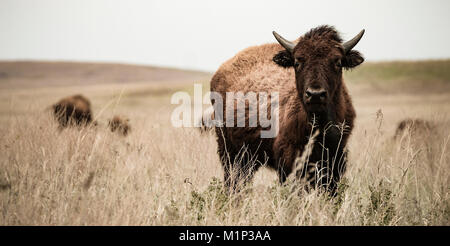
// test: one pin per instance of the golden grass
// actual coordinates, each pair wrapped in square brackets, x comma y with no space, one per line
[160,175]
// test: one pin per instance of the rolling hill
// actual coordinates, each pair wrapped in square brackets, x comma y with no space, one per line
[44,74]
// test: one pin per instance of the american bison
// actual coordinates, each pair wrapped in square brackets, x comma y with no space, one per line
[73,110]
[313,97]
[415,127]
[119,124]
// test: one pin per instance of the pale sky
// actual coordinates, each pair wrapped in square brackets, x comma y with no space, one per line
[203,34]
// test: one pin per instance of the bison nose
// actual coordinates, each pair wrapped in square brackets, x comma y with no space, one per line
[316,94]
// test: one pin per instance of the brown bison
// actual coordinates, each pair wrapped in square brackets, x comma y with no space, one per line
[307,75]
[414,126]
[73,110]
[120,125]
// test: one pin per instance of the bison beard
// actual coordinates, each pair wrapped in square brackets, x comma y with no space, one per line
[313,98]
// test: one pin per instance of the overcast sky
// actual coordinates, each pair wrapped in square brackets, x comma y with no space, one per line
[203,34]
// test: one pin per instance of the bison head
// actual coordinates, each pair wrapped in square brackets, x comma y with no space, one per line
[318,59]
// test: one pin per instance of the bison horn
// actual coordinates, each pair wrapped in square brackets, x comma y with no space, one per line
[288,45]
[352,42]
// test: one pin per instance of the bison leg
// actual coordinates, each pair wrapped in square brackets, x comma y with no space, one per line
[225,156]
[284,163]
[283,173]
[338,170]
[237,175]
[238,165]
[329,173]
[238,170]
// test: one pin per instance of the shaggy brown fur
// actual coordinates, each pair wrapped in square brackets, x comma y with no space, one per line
[121,125]
[73,110]
[316,62]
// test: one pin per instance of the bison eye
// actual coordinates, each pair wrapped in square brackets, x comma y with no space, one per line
[298,64]
[338,63]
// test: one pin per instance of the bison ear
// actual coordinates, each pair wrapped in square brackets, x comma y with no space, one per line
[284,59]
[352,59]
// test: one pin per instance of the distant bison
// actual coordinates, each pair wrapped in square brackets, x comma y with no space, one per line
[414,126]
[73,110]
[307,74]
[119,124]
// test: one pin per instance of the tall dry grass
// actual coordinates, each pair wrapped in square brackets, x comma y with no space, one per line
[160,175]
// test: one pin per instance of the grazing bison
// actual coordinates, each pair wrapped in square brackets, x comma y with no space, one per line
[120,125]
[415,127]
[307,75]
[73,110]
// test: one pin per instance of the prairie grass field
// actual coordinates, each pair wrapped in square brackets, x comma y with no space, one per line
[161,175]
